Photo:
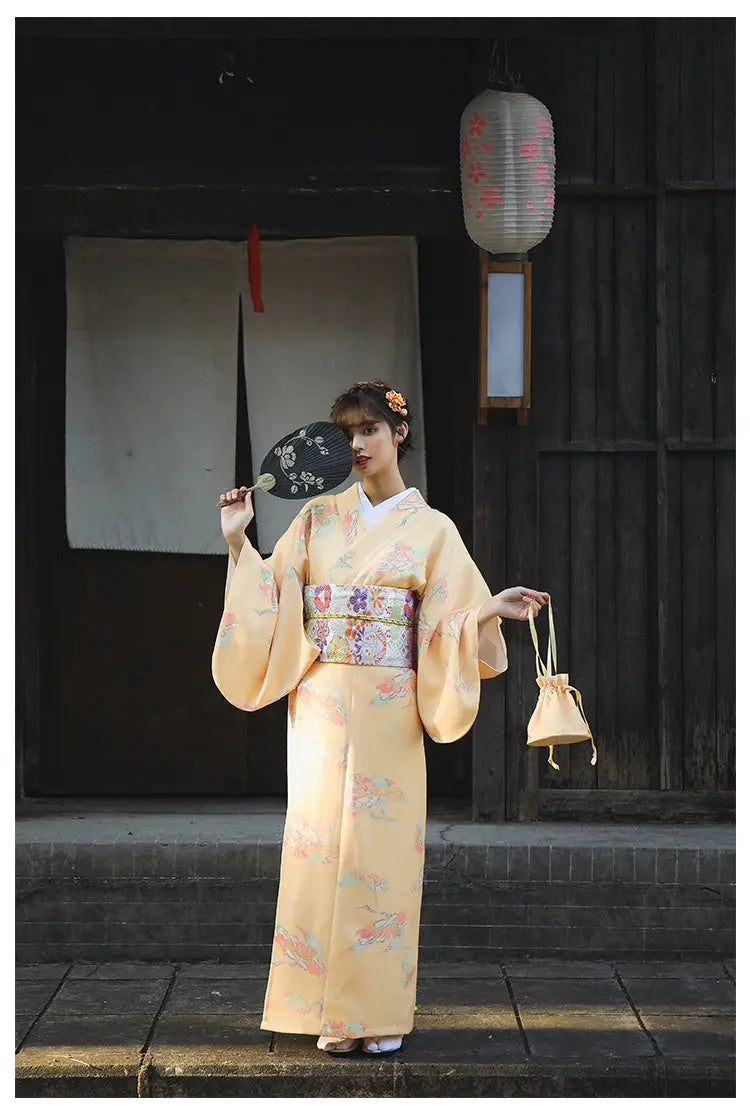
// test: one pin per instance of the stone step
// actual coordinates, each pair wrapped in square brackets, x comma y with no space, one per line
[541,1028]
[195,882]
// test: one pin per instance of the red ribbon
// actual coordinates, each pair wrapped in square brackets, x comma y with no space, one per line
[253,267]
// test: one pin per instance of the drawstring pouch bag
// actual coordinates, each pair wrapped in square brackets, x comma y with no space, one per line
[558,717]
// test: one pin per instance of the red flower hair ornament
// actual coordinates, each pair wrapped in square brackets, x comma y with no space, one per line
[396,402]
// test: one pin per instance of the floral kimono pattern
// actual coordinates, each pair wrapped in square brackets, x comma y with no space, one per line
[345,947]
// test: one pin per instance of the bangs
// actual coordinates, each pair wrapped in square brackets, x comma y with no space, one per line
[353,413]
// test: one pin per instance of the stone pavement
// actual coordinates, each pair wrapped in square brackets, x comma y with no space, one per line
[540,1027]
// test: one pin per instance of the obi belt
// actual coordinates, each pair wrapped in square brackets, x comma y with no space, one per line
[365,625]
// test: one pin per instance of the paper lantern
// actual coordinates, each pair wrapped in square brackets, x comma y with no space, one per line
[507,171]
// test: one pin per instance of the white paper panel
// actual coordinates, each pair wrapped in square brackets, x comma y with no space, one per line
[151,391]
[505,310]
[337,311]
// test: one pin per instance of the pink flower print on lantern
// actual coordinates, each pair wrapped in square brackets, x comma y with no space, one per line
[529,150]
[491,197]
[486,148]
[542,173]
[530,206]
[476,124]
[480,215]
[465,148]
[476,173]
[543,127]
[549,199]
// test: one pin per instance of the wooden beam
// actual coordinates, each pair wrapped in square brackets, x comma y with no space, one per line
[619,805]
[228,28]
[228,212]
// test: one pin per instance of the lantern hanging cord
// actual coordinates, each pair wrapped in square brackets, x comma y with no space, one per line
[505,80]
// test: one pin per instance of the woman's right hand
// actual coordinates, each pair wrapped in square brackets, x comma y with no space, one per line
[237,516]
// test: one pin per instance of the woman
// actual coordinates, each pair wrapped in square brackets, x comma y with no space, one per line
[373,618]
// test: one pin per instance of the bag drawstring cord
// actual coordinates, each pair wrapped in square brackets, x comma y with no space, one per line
[550,669]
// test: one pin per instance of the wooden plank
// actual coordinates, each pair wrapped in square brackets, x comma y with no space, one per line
[583,543]
[637,742]
[724,497]
[633,293]
[490,741]
[724,74]
[522,555]
[555,576]
[698,622]
[723,374]
[575,123]
[635,652]
[551,391]
[630,77]
[605,714]
[697,421]
[345,28]
[666,69]
[696,99]
[726,613]
[107,212]
[605,109]
[550,344]
[622,805]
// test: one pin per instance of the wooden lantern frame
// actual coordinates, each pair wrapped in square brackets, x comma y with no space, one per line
[487,403]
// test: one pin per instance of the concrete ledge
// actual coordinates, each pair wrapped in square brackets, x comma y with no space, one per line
[150,880]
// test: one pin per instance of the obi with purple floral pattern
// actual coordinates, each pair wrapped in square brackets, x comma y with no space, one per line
[361,625]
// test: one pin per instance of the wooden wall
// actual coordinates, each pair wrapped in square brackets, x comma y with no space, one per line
[617,497]
[622,484]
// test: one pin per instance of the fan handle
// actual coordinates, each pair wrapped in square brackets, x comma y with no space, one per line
[265,482]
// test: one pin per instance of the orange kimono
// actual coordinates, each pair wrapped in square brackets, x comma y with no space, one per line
[373,635]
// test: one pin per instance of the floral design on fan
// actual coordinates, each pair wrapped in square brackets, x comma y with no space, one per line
[305,951]
[372,795]
[401,686]
[419,840]
[385,928]
[287,456]
[228,623]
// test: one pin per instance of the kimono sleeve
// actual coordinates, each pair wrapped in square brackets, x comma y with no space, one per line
[453,652]
[262,651]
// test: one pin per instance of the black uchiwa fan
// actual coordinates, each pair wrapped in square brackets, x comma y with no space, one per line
[313,459]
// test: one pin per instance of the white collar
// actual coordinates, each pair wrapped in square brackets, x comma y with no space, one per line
[393,500]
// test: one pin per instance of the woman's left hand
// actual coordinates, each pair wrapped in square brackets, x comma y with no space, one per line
[517,603]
